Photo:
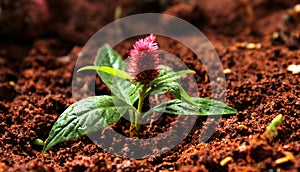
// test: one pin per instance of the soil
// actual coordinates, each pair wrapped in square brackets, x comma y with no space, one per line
[36,74]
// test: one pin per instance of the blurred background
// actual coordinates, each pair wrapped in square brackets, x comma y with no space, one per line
[71,23]
[75,21]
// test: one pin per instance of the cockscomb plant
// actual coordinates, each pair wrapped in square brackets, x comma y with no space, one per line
[130,83]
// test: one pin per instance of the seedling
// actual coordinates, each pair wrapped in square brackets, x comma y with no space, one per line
[271,129]
[130,83]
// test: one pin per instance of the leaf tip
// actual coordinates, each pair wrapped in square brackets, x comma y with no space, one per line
[83,68]
[39,142]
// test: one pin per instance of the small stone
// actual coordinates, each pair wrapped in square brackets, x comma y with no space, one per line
[297,8]
[227,71]
[295,69]
[12,83]
[247,45]
[225,161]
[126,164]
[243,148]
[251,46]
[275,35]
[64,59]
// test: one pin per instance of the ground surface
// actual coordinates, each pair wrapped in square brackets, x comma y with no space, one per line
[36,75]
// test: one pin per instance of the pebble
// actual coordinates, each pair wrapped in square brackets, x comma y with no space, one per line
[12,83]
[247,45]
[253,46]
[225,161]
[64,59]
[227,71]
[297,8]
[295,69]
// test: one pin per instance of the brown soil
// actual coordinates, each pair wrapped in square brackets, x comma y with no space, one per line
[36,73]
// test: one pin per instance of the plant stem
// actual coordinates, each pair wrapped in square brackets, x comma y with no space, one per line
[131,117]
[140,108]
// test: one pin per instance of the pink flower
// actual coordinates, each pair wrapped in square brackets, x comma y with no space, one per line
[144,60]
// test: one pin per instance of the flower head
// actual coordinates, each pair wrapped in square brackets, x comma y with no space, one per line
[144,60]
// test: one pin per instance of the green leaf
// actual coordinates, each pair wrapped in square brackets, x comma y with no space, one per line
[276,122]
[120,87]
[85,116]
[168,80]
[176,90]
[170,77]
[205,107]
[106,56]
[108,70]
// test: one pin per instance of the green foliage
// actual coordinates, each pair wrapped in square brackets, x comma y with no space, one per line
[85,116]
